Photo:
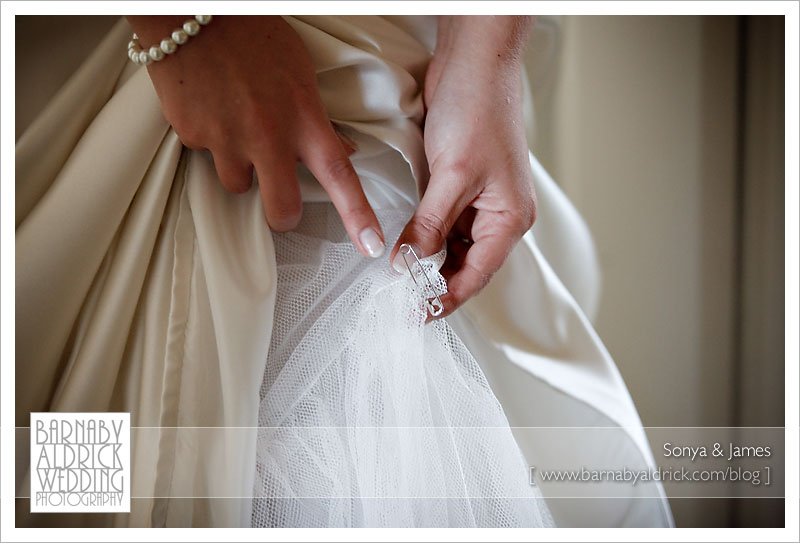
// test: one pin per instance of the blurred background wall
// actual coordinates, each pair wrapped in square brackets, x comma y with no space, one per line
[667,134]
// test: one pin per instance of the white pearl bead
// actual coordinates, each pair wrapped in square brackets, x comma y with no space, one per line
[168,46]
[191,27]
[179,36]
[156,53]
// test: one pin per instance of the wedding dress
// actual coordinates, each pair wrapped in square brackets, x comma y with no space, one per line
[368,416]
[285,380]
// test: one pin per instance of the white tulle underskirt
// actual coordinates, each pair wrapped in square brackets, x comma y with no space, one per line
[368,416]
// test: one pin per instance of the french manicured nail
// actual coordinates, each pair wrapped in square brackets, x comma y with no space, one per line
[399,262]
[372,242]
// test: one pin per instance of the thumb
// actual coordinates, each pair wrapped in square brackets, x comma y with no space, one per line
[436,214]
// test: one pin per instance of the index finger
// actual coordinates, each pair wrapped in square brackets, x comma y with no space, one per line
[481,262]
[327,159]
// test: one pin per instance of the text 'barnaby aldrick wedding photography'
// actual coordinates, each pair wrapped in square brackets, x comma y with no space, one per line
[80,462]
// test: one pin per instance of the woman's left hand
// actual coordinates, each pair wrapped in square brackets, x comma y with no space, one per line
[480,196]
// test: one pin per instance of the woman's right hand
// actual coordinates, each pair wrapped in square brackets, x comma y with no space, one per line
[245,89]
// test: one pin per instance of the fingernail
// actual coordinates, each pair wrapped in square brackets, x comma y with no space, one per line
[399,262]
[372,242]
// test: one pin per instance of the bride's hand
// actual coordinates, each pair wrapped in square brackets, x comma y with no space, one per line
[245,89]
[480,196]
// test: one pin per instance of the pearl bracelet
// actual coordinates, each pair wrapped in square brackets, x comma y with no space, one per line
[169,44]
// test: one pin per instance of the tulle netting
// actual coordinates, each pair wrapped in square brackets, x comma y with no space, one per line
[369,416]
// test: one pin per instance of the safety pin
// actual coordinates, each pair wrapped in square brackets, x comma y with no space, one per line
[436,306]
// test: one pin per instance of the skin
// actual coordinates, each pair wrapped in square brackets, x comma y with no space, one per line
[480,196]
[217,96]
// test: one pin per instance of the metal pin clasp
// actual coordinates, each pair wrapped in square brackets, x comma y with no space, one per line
[432,303]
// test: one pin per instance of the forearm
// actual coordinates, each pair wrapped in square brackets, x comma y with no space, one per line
[483,39]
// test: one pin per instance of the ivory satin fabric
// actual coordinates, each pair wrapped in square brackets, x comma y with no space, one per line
[143,286]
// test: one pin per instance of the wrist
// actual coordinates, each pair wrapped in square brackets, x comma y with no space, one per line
[151,29]
[167,45]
